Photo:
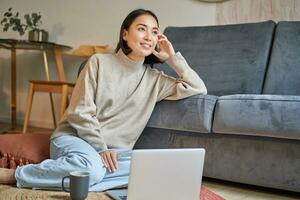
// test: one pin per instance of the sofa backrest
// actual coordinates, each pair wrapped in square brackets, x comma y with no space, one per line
[231,59]
[283,74]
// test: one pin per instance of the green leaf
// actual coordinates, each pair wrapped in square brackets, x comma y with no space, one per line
[11,21]
[18,22]
[3,21]
[27,16]
[37,20]
[6,26]
[21,31]
[28,20]
[34,15]
[17,14]
[9,9]
[9,14]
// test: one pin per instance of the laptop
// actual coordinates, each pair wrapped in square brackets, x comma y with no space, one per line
[163,174]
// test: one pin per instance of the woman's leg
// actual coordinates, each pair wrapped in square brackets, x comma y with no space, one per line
[120,177]
[68,153]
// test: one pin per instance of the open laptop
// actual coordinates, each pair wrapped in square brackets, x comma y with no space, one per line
[163,174]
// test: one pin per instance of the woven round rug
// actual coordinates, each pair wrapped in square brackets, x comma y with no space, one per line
[13,193]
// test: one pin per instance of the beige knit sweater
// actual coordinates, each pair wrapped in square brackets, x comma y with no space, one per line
[114,97]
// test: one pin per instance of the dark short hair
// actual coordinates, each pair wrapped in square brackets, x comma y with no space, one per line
[122,44]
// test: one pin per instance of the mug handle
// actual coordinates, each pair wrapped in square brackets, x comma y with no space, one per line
[63,184]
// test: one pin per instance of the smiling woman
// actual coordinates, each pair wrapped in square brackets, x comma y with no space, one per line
[110,105]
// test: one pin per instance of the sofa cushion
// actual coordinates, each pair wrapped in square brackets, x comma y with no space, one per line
[283,75]
[263,115]
[231,59]
[20,149]
[190,114]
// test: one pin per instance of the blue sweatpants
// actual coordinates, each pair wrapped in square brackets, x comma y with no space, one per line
[70,153]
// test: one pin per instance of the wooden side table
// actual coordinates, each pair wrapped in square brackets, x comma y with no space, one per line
[13,45]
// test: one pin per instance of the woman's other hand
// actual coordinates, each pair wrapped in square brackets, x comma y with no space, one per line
[109,159]
[166,49]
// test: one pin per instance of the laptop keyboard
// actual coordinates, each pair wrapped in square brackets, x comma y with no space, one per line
[123,197]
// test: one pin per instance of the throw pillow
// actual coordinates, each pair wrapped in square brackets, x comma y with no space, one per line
[20,149]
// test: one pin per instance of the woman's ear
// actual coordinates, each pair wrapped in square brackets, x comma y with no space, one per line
[124,35]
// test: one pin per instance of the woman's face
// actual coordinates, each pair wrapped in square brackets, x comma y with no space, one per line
[141,37]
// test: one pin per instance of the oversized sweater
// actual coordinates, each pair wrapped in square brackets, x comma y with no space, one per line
[114,97]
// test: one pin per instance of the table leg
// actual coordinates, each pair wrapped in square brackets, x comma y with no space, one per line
[46,65]
[50,94]
[13,89]
[59,64]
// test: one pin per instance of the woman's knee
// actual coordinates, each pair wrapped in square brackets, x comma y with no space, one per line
[97,175]
[92,165]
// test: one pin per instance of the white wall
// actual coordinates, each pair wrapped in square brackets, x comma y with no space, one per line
[75,22]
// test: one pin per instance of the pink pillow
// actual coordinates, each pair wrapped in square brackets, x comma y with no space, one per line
[20,149]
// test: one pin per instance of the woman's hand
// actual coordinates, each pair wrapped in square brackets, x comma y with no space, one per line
[109,159]
[166,49]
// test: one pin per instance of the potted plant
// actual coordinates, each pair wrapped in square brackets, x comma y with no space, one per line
[32,23]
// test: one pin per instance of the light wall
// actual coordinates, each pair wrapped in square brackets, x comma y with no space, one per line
[75,22]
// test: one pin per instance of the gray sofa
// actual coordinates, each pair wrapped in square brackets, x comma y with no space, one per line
[249,123]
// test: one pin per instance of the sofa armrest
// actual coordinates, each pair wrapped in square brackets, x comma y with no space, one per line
[189,114]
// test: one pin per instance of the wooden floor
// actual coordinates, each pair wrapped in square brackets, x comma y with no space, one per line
[237,191]
[228,190]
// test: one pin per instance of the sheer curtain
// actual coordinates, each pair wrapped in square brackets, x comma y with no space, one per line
[242,11]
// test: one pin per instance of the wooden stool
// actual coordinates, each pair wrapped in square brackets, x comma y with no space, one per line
[50,87]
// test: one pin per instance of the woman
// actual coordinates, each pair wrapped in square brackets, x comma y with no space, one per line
[112,101]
